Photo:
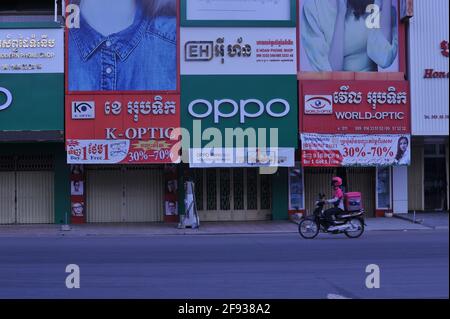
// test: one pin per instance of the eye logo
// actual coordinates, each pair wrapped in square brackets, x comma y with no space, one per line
[82,110]
[318,104]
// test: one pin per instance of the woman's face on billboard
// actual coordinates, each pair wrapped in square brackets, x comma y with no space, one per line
[403,145]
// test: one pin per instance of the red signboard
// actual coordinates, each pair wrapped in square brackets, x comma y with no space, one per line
[121,128]
[355,107]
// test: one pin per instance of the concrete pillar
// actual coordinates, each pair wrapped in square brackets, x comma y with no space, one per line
[400,189]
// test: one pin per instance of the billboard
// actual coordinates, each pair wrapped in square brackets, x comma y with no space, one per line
[32,79]
[240,121]
[209,51]
[355,107]
[122,81]
[353,36]
[335,150]
[122,46]
[114,128]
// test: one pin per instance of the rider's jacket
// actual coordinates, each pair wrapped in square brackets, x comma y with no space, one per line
[338,198]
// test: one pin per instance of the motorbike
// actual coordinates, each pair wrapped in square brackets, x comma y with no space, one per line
[350,223]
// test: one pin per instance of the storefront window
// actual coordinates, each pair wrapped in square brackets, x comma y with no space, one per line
[296,192]
[384,188]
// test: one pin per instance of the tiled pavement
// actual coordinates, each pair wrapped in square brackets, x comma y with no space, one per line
[206,228]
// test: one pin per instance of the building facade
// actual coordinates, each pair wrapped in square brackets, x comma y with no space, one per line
[33,171]
[428,49]
[260,108]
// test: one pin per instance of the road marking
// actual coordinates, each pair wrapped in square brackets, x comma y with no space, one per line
[335,296]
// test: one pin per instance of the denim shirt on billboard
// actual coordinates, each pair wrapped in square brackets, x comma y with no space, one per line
[140,58]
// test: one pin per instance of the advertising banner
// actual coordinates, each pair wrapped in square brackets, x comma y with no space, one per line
[326,150]
[209,51]
[122,46]
[241,157]
[31,51]
[353,35]
[355,107]
[239,112]
[111,129]
[122,98]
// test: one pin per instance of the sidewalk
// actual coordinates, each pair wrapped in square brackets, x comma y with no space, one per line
[206,228]
[434,220]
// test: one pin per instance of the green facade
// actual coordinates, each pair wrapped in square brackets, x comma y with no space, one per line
[38,102]
[243,87]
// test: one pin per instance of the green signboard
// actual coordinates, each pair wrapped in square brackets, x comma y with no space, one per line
[32,102]
[266,104]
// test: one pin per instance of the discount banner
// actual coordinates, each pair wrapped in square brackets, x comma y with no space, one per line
[117,128]
[119,152]
[326,150]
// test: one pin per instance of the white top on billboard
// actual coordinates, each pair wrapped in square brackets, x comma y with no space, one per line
[239,10]
[31,51]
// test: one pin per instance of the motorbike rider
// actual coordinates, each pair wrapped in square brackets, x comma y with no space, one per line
[337,200]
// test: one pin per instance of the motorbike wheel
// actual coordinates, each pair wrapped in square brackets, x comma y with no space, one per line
[308,228]
[358,225]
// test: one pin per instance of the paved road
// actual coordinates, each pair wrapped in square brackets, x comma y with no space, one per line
[413,264]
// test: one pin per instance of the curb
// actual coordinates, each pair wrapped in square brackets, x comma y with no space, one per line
[420,222]
[71,234]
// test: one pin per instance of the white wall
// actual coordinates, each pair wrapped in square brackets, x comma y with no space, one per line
[400,189]
[428,28]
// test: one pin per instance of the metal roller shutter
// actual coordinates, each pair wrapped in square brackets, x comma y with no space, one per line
[7,198]
[104,195]
[144,195]
[124,194]
[35,202]
[363,180]
[26,189]
[317,180]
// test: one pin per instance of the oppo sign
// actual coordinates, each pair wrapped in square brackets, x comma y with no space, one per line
[9,99]
[240,109]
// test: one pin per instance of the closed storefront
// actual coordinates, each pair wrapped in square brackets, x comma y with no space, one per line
[34,178]
[122,106]
[26,189]
[124,194]
[356,179]
[342,135]
[237,194]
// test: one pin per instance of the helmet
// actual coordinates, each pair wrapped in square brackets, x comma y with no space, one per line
[336,181]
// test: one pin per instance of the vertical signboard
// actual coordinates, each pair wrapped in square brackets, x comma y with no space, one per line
[122,99]
[429,72]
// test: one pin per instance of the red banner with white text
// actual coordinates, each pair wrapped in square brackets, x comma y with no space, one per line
[121,128]
[355,107]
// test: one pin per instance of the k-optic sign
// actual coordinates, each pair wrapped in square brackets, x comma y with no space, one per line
[9,98]
[242,108]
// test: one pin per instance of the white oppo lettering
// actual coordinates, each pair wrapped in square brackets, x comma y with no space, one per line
[237,108]
[9,98]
